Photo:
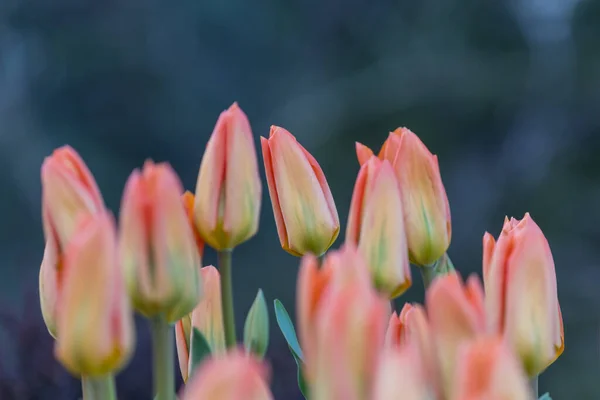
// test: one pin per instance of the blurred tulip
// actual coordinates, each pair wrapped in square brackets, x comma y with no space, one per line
[424,201]
[341,268]
[157,246]
[521,294]
[376,226]
[228,190]
[236,376]
[256,327]
[95,322]
[488,370]
[402,376]
[349,334]
[207,317]
[188,200]
[456,314]
[305,213]
[68,191]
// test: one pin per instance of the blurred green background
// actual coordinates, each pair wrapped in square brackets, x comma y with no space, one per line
[506,92]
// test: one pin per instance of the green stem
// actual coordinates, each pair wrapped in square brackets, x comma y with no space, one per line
[163,353]
[227,297]
[99,388]
[428,273]
[534,387]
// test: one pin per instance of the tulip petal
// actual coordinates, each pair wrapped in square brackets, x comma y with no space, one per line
[363,153]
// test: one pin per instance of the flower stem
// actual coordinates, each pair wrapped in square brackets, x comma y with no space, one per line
[227,297]
[428,273]
[163,353]
[99,388]
[534,386]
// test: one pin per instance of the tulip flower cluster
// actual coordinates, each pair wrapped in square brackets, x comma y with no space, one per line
[469,340]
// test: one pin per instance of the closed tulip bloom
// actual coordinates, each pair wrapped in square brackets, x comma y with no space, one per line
[157,246]
[350,331]
[228,190]
[487,370]
[341,268]
[236,376]
[456,314]
[401,376]
[95,322]
[376,226]
[521,294]
[424,200]
[207,317]
[68,191]
[305,214]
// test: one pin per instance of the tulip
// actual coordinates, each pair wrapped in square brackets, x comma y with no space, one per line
[305,213]
[456,314]
[424,200]
[228,190]
[376,226]
[349,334]
[412,327]
[157,247]
[188,200]
[95,323]
[488,370]
[341,268]
[521,293]
[237,376]
[401,376]
[207,317]
[256,328]
[68,191]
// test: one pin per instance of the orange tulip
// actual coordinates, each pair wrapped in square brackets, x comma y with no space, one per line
[488,370]
[228,190]
[521,294]
[95,322]
[349,334]
[188,200]
[236,376]
[157,246]
[401,375]
[456,314]
[424,200]
[305,213]
[376,226]
[68,191]
[340,268]
[207,317]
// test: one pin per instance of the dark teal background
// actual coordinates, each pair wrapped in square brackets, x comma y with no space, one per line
[507,93]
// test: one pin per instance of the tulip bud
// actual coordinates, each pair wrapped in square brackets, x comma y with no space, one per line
[488,370]
[207,317]
[424,200]
[95,323]
[228,190]
[376,226]
[235,376]
[400,374]
[157,246]
[68,191]
[305,213]
[341,268]
[521,293]
[188,200]
[256,328]
[350,330]
[456,314]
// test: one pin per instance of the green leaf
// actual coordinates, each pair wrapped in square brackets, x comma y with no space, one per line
[302,384]
[546,397]
[287,328]
[200,349]
[256,327]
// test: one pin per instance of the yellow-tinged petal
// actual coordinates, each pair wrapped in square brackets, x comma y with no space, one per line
[207,317]
[95,323]
[303,206]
